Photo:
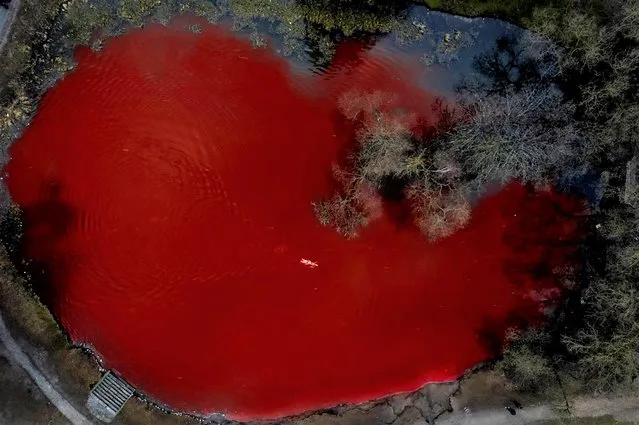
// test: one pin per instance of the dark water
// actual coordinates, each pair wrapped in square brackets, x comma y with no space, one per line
[167,187]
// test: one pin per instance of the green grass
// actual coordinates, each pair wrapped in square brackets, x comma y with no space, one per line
[433,4]
[511,10]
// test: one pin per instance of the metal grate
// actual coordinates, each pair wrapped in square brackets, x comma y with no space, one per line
[108,397]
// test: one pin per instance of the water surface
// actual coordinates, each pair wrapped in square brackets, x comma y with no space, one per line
[167,186]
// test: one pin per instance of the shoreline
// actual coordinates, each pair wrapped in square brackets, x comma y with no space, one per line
[477,398]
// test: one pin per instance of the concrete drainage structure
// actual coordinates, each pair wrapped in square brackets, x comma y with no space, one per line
[108,397]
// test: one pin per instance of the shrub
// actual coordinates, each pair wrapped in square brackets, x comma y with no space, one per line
[351,207]
[388,151]
[384,135]
[385,146]
[525,362]
[521,135]
[438,214]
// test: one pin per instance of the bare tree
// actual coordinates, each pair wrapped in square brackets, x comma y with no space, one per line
[521,135]
[387,148]
[439,213]
[525,362]
[384,135]
[385,144]
[351,207]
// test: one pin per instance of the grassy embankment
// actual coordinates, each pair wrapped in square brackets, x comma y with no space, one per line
[513,10]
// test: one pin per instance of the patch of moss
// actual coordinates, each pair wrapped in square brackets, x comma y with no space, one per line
[350,17]
[516,11]
[348,22]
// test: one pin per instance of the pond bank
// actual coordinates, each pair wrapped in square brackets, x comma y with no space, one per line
[477,399]
[14,352]
[70,372]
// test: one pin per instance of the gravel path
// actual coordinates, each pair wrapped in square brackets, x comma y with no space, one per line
[19,357]
[14,7]
[498,416]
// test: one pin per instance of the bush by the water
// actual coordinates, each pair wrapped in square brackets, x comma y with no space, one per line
[573,107]
[593,338]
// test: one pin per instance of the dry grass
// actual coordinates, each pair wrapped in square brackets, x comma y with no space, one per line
[22,309]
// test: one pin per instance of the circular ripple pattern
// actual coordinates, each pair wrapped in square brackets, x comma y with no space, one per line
[167,187]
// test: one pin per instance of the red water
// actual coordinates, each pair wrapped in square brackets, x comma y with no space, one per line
[167,187]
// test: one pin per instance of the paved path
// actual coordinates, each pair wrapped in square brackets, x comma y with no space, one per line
[16,354]
[14,7]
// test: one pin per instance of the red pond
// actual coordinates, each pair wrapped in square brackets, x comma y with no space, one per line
[167,187]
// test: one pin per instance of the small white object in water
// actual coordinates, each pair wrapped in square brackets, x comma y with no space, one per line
[309,263]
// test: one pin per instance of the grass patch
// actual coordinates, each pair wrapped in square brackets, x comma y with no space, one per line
[516,11]
[21,308]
